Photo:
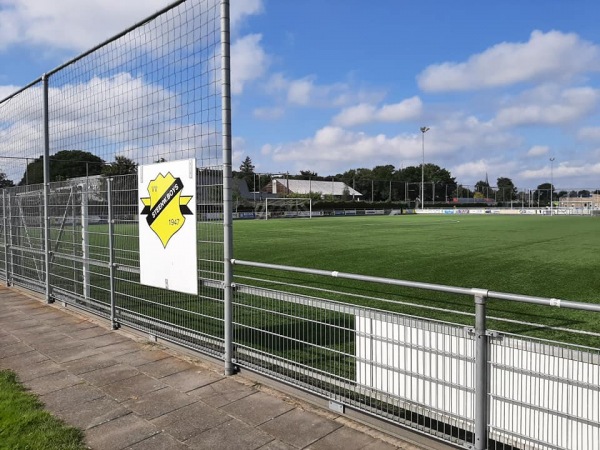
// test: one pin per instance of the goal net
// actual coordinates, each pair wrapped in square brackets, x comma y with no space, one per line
[284,207]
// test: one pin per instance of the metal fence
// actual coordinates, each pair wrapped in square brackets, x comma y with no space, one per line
[158,91]
[462,383]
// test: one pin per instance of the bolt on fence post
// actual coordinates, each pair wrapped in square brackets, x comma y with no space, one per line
[5,237]
[481,372]
[227,190]
[46,189]
[111,253]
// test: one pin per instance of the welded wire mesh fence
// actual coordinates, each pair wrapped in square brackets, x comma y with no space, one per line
[71,141]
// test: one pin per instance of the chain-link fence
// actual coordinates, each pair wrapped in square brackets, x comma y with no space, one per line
[70,142]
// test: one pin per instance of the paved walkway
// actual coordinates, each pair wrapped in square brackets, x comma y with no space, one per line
[126,392]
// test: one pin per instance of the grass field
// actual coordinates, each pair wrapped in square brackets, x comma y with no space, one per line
[25,425]
[555,257]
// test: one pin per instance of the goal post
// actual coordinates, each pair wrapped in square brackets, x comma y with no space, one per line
[288,207]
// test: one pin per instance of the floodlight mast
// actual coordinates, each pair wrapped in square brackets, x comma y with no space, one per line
[423,131]
[551,184]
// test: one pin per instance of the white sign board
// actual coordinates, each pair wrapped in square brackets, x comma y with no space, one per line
[167,222]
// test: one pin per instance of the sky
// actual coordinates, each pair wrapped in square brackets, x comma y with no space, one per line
[328,86]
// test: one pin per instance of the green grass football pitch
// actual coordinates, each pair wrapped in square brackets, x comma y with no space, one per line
[554,257]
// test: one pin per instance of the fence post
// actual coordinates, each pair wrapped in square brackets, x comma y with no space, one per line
[481,371]
[230,368]
[49,298]
[5,237]
[111,253]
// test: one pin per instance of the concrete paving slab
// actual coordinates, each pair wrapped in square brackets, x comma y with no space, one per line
[8,339]
[11,316]
[120,433]
[108,375]
[41,334]
[53,382]
[20,324]
[89,363]
[93,413]
[222,392]
[122,348]
[71,397]
[38,370]
[55,344]
[277,445]
[86,333]
[187,422]
[72,354]
[142,356]
[299,428]
[83,324]
[157,403]
[228,435]
[161,441]
[106,340]
[345,438]
[165,367]
[257,408]
[16,348]
[190,380]
[133,387]
[21,361]
[380,445]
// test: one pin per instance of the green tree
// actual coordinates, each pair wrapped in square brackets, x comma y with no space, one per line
[246,172]
[506,190]
[485,189]
[121,166]
[542,194]
[307,175]
[64,165]
[5,182]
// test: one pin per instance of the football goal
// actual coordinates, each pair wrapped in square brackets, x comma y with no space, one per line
[284,207]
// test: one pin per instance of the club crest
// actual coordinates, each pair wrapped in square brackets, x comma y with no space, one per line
[165,208]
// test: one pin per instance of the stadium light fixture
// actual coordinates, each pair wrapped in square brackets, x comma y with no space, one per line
[423,131]
[551,184]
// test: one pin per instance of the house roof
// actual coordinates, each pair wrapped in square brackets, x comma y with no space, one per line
[324,187]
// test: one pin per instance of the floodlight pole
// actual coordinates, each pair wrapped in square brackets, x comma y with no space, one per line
[423,131]
[551,184]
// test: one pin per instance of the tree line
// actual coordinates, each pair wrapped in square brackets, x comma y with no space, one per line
[67,164]
[388,183]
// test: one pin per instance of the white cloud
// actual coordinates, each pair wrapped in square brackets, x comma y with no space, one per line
[589,134]
[306,92]
[248,61]
[538,150]
[97,116]
[408,109]
[547,106]
[546,55]
[7,90]
[564,170]
[333,145]
[239,10]
[268,113]
[68,24]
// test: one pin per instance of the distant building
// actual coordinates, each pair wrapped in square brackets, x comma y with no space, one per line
[336,189]
[591,202]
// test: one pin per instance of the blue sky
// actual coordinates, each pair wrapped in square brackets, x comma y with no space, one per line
[333,85]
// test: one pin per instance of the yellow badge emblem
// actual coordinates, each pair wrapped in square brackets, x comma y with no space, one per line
[166,207]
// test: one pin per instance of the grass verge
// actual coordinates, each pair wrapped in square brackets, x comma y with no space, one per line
[24,425]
